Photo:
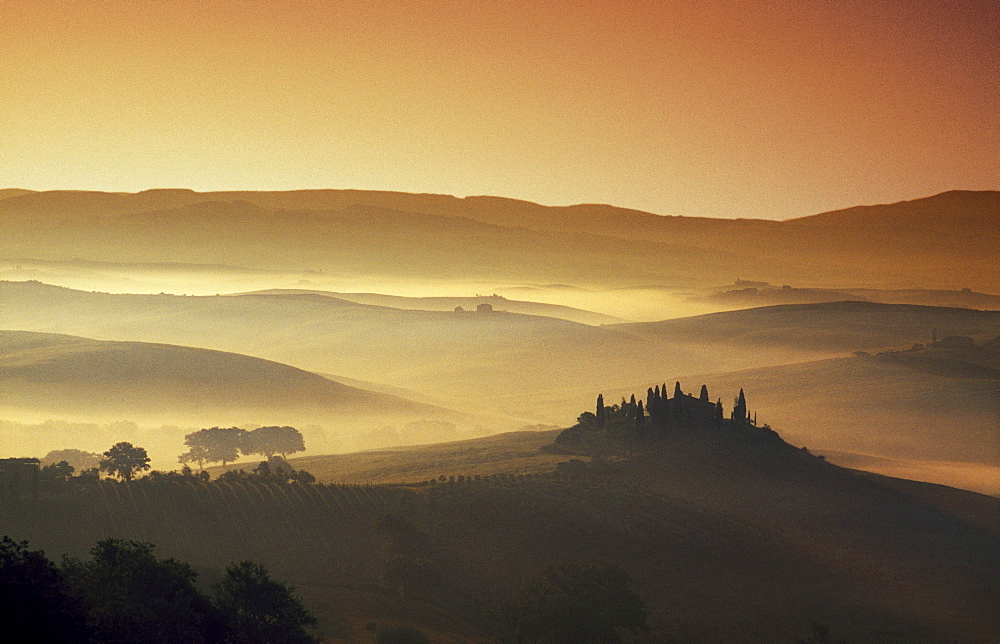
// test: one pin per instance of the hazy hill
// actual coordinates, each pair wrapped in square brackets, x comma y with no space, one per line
[67,374]
[945,241]
[830,326]
[500,362]
[725,541]
[499,303]
[740,296]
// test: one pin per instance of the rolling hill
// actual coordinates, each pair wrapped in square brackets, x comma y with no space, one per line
[945,241]
[827,326]
[47,376]
[500,362]
[497,302]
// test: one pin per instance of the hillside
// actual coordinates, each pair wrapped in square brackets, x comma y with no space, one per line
[724,540]
[497,302]
[46,376]
[928,414]
[505,362]
[740,296]
[827,326]
[943,241]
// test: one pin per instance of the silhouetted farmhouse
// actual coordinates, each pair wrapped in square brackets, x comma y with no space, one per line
[18,476]
[662,416]
[484,308]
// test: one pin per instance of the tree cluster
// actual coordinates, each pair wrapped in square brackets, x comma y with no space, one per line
[632,421]
[124,593]
[226,444]
[274,469]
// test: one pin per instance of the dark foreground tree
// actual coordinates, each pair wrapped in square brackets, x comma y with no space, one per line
[259,609]
[579,605]
[35,605]
[124,460]
[131,596]
[268,441]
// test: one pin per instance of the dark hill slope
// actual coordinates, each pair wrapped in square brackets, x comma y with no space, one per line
[726,540]
[826,326]
[962,210]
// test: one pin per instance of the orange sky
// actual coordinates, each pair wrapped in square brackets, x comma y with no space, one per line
[719,108]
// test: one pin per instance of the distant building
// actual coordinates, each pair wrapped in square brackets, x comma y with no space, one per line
[18,476]
[484,308]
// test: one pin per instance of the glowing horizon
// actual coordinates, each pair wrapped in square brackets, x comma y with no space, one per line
[703,109]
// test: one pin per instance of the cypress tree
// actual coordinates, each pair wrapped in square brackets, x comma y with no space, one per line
[640,418]
[663,392]
[632,401]
[704,394]
[719,414]
[740,408]
[649,396]
[677,389]
[600,409]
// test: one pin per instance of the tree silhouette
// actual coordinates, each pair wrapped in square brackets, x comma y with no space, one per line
[704,394]
[268,441]
[600,409]
[677,390]
[124,460]
[131,596]
[740,408]
[35,604]
[260,609]
[214,445]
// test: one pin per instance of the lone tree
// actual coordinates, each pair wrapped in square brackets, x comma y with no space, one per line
[260,609]
[124,460]
[703,397]
[268,441]
[217,444]
[600,409]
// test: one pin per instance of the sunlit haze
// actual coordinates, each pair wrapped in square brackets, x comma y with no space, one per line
[722,108]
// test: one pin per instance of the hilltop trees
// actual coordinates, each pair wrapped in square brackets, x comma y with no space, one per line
[631,425]
[124,460]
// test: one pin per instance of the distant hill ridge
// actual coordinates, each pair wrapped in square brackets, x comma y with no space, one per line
[944,241]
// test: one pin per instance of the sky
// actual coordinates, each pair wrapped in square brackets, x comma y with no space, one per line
[723,108]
